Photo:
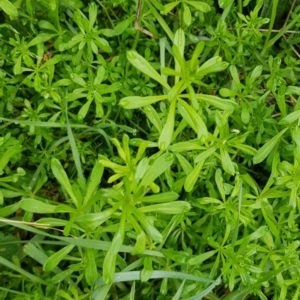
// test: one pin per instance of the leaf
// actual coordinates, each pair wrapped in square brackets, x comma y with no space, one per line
[159,166]
[201,6]
[46,25]
[290,118]
[167,208]
[197,260]
[9,209]
[41,38]
[168,7]
[35,206]
[224,3]
[217,102]
[11,266]
[133,102]
[213,65]
[186,146]
[123,25]
[102,44]
[57,257]
[7,155]
[150,229]
[109,263]
[226,162]
[94,181]
[142,65]
[136,275]
[78,79]
[62,178]
[8,8]
[264,151]
[92,14]
[178,52]
[56,59]
[153,117]
[238,295]
[193,177]
[205,154]
[91,273]
[187,17]
[165,137]
[84,109]
[192,118]
[161,198]
[147,270]
[91,221]
[179,291]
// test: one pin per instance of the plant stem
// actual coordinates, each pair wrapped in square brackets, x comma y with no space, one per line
[279,35]
[271,24]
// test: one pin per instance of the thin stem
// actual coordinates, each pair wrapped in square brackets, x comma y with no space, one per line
[289,14]
[280,34]
[107,14]
[271,24]
[240,6]
[137,20]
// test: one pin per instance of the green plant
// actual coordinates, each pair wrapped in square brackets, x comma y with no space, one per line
[149,166]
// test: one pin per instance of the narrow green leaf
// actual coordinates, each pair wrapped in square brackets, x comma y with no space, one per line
[150,229]
[159,166]
[178,52]
[133,102]
[11,266]
[167,208]
[91,221]
[136,275]
[8,8]
[9,209]
[186,146]
[153,117]
[168,7]
[290,118]
[192,118]
[92,14]
[57,257]
[187,17]
[217,102]
[193,177]
[94,181]
[205,154]
[142,65]
[264,151]
[109,263]
[62,178]
[91,273]
[226,162]
[161,198]
[147,270]
[8,154]
[77,79]
[238,295]
[35,206]
[74,148]
[201,6]
[201,258]
[165,137]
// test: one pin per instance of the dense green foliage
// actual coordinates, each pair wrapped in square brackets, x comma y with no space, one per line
[155,157]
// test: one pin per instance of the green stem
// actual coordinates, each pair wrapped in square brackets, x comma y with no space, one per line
[280,34]
[271,24]
[240,6]
[162,22]
[107,14]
